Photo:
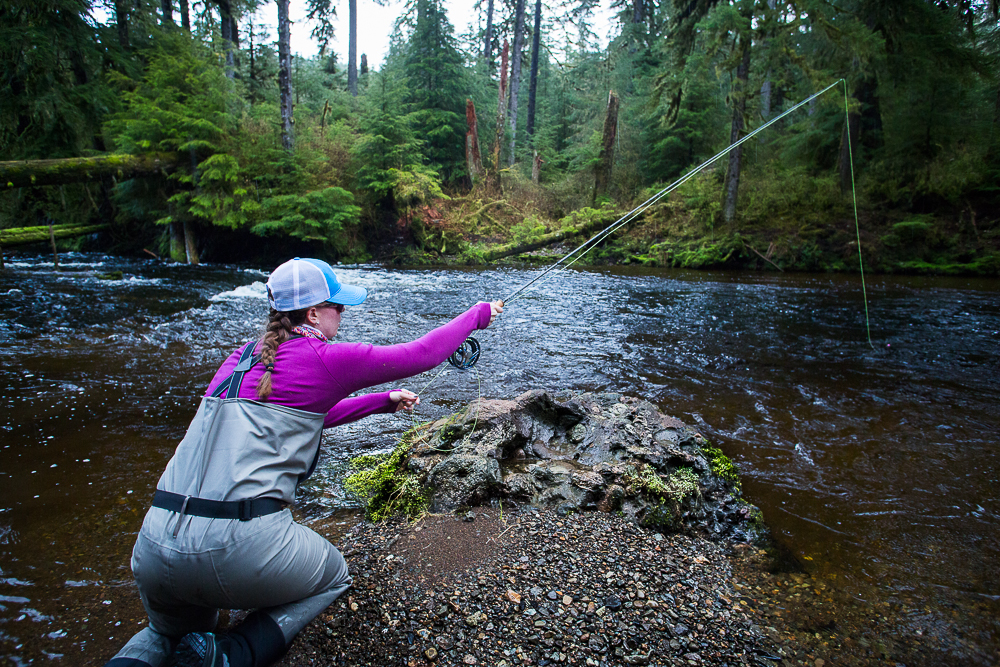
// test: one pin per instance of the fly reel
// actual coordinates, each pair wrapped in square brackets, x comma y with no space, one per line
[466,356]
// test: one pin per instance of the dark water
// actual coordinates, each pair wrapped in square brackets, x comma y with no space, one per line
[876,467]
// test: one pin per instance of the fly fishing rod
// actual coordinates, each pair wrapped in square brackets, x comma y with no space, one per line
[468,354]
[592,242]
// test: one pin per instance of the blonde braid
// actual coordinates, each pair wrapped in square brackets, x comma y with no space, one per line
[278,330]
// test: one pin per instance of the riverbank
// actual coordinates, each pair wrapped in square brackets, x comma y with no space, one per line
[796,224]
[532,587]
[529,587]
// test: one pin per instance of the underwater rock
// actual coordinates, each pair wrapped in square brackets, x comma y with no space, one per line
[579,452]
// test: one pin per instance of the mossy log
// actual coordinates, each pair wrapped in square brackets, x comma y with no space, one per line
[511,249]
[24,235]
[33,173]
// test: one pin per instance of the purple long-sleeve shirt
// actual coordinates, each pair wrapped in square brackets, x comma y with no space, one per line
[318,377]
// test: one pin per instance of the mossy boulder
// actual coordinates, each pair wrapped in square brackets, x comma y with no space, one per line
[578,452]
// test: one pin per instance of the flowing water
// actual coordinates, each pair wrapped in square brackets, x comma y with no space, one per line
[877,465]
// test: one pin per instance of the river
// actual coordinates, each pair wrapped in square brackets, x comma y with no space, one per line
[876,464]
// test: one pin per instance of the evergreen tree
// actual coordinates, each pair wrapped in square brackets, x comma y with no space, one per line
[52,96]
[387,147]
[436,90]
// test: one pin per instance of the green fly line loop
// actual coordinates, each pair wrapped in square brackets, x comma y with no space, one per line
[479,402]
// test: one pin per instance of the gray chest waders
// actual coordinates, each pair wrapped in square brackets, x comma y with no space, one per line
[240,458]
[215,537]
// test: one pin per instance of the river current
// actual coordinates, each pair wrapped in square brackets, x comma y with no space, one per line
[874,463]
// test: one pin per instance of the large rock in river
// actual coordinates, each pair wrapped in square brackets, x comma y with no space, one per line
[583,452]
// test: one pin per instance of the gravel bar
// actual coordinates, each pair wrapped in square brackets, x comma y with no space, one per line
[532,587]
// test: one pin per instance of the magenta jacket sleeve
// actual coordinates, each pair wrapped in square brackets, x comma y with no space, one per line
[359,365]
[358,407]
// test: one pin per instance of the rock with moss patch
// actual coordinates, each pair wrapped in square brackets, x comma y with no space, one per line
[585,452]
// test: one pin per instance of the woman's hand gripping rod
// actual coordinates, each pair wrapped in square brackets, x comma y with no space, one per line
[467,354]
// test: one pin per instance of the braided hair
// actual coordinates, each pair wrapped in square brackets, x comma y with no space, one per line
[278,330]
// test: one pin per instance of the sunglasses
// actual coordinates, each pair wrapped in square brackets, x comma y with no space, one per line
[339,307]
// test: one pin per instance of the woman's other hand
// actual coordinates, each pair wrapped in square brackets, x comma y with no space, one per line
[496,307]
[404,399]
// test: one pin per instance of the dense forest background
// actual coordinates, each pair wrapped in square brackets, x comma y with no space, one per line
[519,132]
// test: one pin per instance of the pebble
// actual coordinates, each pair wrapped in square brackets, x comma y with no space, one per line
[579,605]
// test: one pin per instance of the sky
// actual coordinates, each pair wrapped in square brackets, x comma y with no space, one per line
[375,25]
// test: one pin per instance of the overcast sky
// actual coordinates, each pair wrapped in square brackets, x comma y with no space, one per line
[375,25]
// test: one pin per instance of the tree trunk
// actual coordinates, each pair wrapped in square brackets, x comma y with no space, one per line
[185,15]
[996,109]
[515,77]
[488,50]
[767,87]
[167,7]
[493,175]
[190,244]
[993,151]
[765,97]
[226,25]
[234,36]
[285,76]
[253,72]
[177,252]
[55,252]
[637,13]
[533,80]
[732,183]
[364,64]
[536,169]
[31,173]
[602,171]
[472,156]
[352,49]
[870,130]
[121,20]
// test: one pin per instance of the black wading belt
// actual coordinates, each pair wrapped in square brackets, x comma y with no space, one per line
[244,510]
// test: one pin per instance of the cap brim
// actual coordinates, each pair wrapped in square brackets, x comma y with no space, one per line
[349,295]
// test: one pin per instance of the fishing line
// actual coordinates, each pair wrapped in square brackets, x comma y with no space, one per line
[592,242]
[857,225]
[479,402]
[466,356]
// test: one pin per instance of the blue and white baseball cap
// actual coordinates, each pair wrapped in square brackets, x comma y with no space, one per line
[304,283]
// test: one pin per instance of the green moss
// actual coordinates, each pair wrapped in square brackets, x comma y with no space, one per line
[668,493]
[662,515]
[681,484]
[722,466]
[384,486]
[756,518]
[644,479]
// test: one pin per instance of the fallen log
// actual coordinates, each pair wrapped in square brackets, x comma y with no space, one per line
[24,235]
[511,249]
[34,173]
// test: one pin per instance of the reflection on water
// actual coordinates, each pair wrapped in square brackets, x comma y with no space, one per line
[876,464]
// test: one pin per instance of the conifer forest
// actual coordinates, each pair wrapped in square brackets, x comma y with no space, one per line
[187,130]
